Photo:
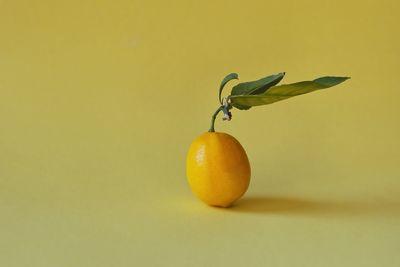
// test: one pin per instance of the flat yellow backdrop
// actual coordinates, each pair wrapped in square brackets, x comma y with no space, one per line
[99,101]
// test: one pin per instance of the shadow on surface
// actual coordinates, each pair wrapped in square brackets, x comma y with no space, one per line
[302,206]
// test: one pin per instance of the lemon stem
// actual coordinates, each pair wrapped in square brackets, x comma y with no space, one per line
[214,116]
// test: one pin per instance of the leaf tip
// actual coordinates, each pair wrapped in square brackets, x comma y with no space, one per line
[329,81]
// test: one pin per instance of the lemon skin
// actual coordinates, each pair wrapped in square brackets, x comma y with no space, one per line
[217,169]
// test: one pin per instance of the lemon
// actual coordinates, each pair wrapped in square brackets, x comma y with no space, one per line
[217,169]
[217,166]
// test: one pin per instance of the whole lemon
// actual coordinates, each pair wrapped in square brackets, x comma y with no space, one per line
[217,169]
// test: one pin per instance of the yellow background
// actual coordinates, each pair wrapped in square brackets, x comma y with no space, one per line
[99,101]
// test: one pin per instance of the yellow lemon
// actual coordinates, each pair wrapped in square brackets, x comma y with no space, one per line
[217,169]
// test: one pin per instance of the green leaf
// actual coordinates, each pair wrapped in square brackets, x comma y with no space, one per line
[282,92]
[224,82]
[257,87]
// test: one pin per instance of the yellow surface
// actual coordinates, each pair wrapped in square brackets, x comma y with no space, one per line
[218,169]
[99,101]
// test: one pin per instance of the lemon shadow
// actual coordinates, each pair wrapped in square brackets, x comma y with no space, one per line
[304,206]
